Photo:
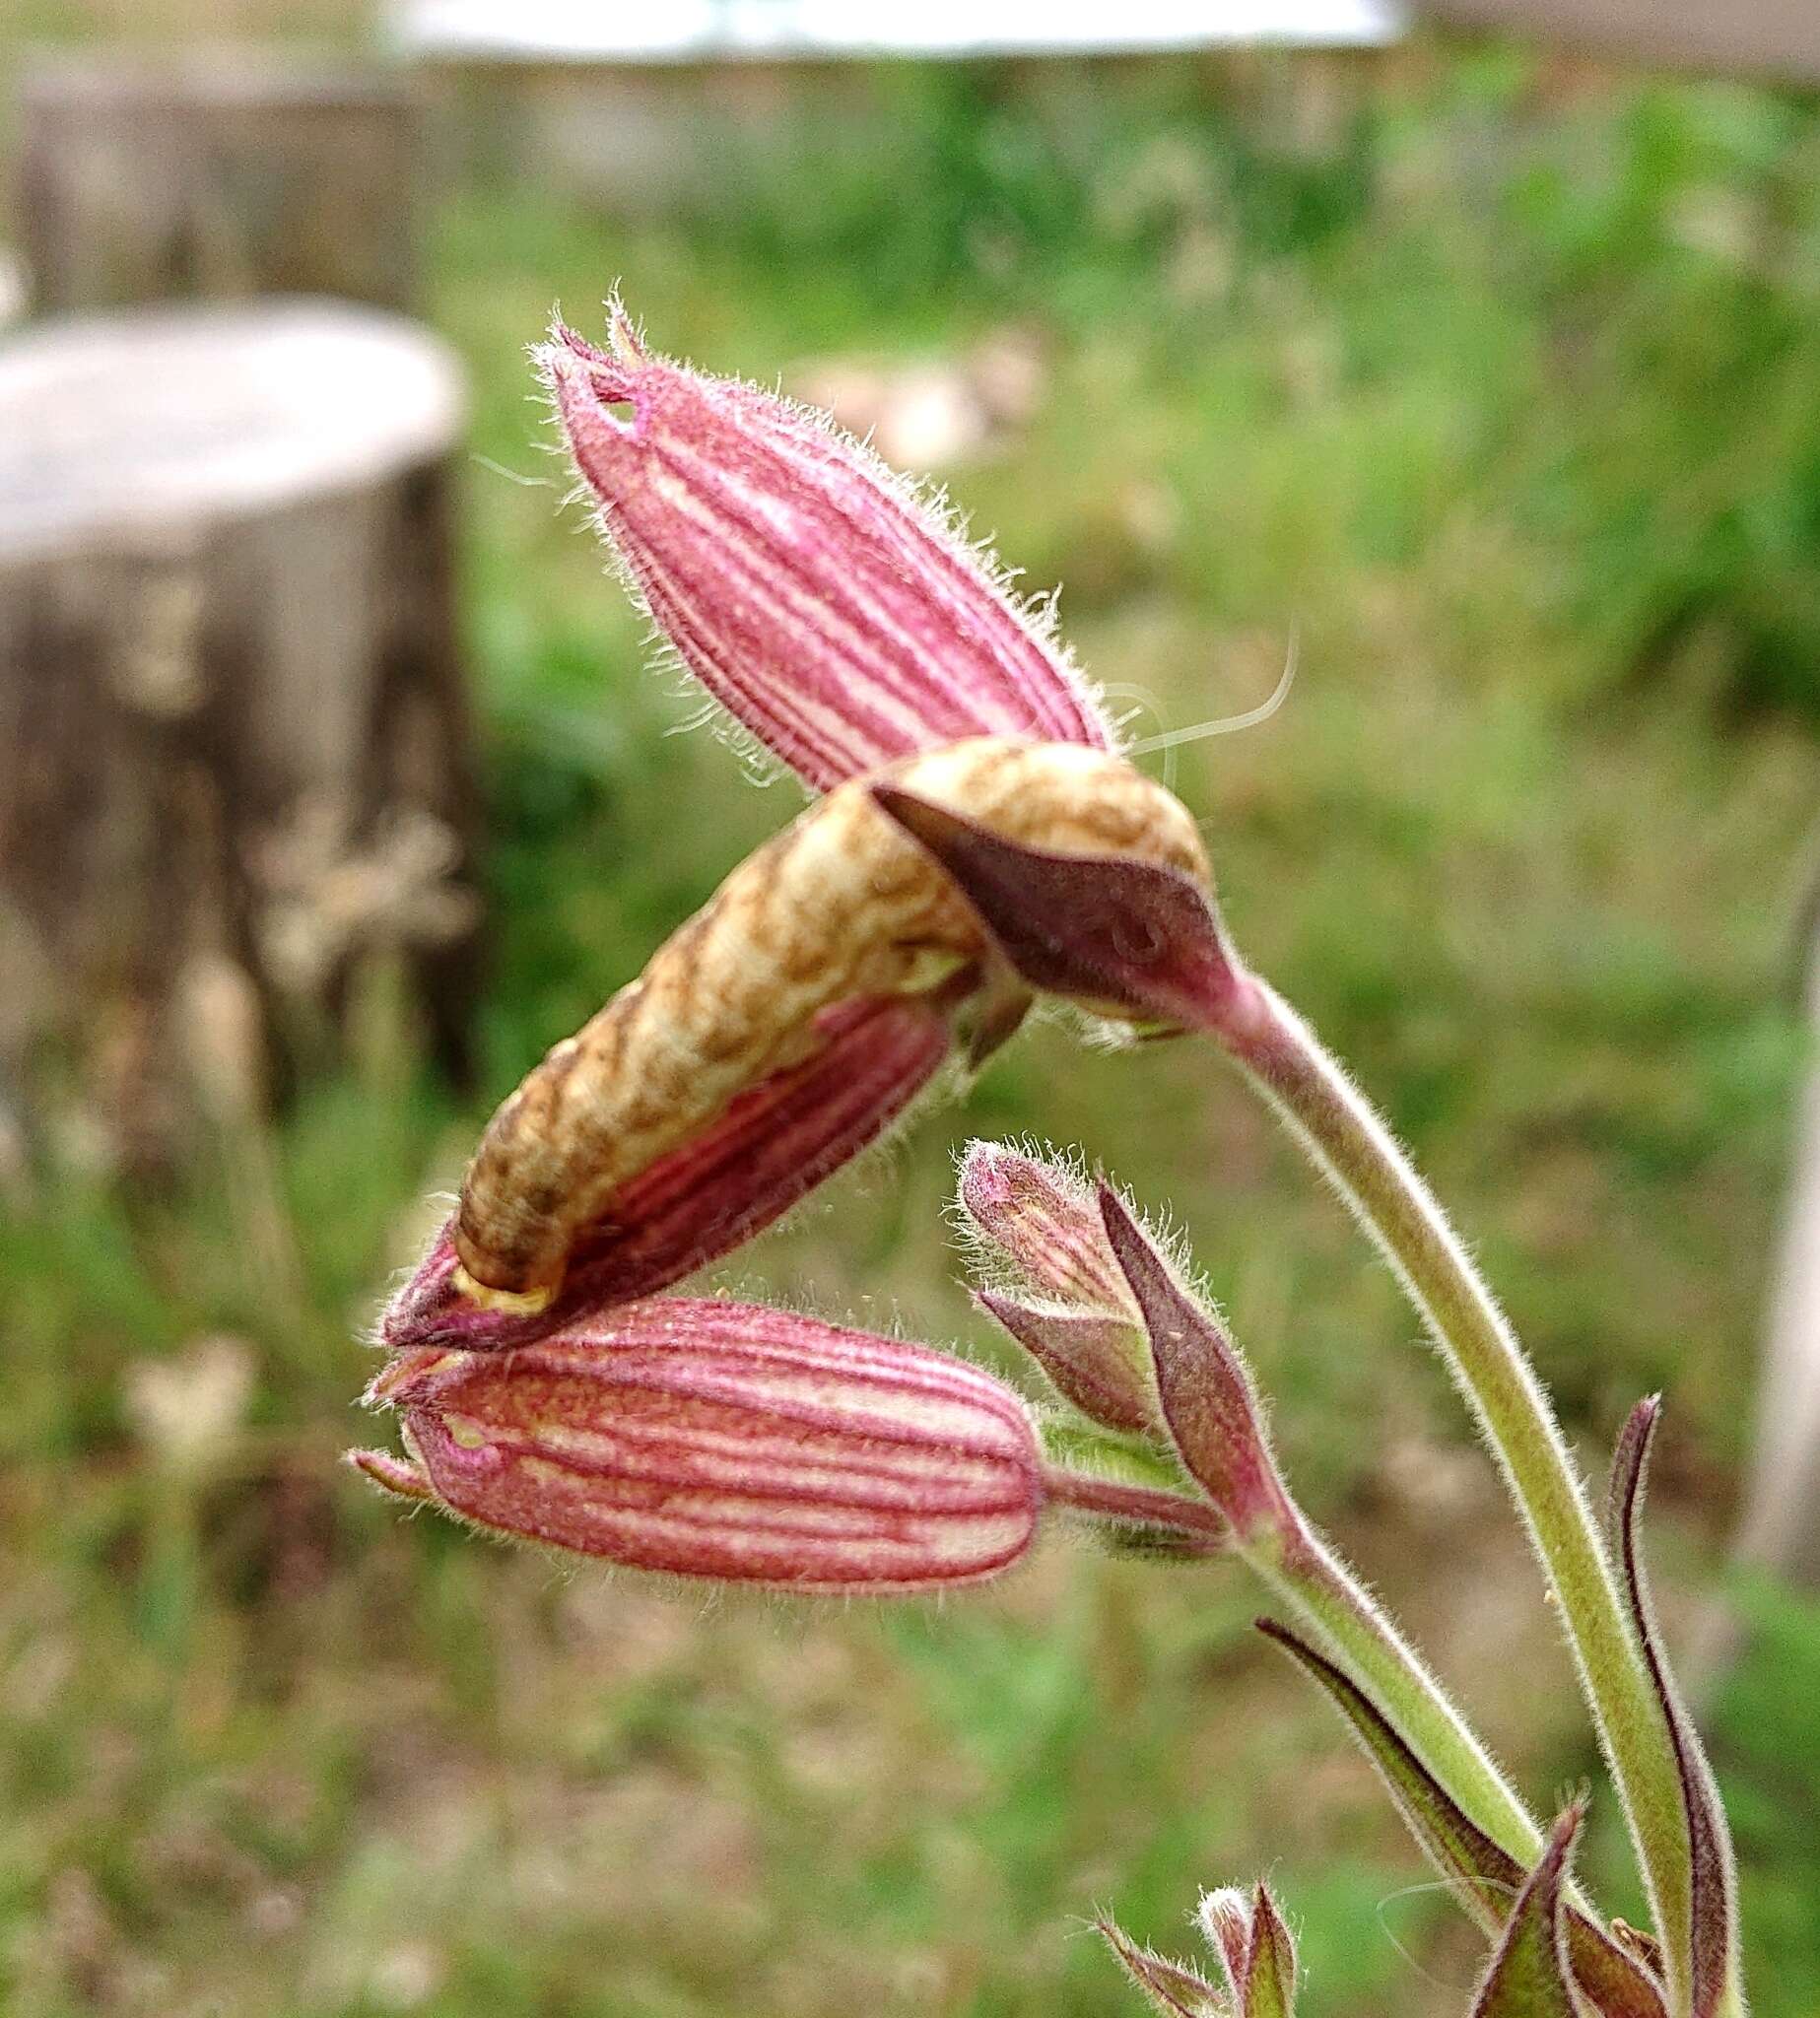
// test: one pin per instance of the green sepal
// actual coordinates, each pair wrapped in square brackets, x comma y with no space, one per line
[1481,1874]
[1528,1977]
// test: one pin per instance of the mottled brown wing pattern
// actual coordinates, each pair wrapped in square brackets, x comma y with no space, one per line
[841,904]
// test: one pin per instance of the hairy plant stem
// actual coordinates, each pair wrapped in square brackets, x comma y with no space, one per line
[1317,1582]
[1179,1513]
[1346,1139]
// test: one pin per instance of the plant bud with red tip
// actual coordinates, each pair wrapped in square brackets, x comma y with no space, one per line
[1038,1221]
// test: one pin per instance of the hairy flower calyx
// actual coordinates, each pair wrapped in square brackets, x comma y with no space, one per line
[744,1444]
[834,614]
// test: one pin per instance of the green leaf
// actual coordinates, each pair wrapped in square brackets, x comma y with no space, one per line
[1483,1876]
[1528,1977]
[1712,1963]
[1270,1964]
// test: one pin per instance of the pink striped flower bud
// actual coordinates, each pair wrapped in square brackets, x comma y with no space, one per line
[836,617]
[1054,1284]
[1039,1222]
[727,1441]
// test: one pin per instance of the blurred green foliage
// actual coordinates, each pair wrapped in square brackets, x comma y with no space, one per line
[1498,394]
[1765,1732]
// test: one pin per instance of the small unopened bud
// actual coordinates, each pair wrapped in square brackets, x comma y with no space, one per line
[1040,1223]
[729,1442]
[1225,1919]
[1254,1948]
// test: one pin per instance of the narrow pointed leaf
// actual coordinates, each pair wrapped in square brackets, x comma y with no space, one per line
[1483,1876]
[1129,936]
[1270,1964]
[1713,1922]
[1172,1989]
[1206,1393]
[1528,1977]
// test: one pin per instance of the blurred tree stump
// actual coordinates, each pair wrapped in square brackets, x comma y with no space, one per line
[215,176]
[235,796]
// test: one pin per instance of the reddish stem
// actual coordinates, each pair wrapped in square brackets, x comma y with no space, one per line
[1141,1505]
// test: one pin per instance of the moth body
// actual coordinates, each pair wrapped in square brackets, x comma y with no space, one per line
[842,905]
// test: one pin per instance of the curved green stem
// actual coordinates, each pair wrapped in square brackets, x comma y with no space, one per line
[1339,1130]
[1316,1584]
[1321,1588]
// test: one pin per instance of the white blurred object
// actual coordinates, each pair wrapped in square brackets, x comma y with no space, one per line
[933,413]
[715,31]
[186,1409]
[12,287]
[1780,1528]
[120,425]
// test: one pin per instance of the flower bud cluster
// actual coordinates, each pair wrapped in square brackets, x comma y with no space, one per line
[1054,1283]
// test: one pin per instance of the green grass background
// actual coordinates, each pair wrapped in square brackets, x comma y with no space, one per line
[1495,382]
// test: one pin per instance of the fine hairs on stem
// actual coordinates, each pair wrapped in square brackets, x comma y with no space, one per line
[1336,1125]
